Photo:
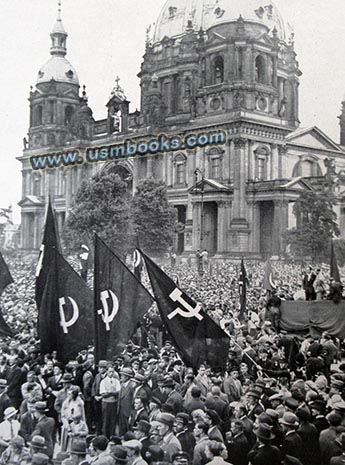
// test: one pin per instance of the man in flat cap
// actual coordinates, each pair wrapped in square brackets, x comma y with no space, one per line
[169,442]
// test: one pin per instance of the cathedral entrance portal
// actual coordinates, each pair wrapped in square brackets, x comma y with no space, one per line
[266,228]
[210,227]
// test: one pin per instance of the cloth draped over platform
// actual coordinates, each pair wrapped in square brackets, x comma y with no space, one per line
[322,315]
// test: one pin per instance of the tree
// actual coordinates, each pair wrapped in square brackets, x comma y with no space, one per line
[316,225]
[153,218]
[101,205]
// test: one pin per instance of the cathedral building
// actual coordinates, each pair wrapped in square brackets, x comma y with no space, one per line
[210,65]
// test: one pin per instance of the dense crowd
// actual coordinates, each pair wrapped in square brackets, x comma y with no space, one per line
[281,399]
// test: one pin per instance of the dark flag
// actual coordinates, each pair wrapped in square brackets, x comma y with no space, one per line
[138,261]
[242,285]
[5,275]
[120,302]
[5,280]
[269,283]
[196,336]
[334,266]
[50,243]
[66,315]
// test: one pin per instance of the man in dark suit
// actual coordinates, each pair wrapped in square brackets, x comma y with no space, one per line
[292,442]
[125,399]
[237,444]
[174,399]
[308,284]
[142,434]
[263,453]
[28,422]
[182,433]
[138,413]
[44,426]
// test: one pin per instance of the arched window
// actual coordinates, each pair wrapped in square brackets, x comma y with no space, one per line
[260,69]
[261,164]
[306,168]
[38,115]
[180,169]
[36,185]
[218,71]
[215,163]
[68,115]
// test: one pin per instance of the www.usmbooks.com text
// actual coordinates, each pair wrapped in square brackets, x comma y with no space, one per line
[128,149]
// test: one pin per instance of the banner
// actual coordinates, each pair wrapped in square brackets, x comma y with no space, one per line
[196,336]
[66,316]
[5,280]
[5,275]
[322,315]
[50,243]
[120,302]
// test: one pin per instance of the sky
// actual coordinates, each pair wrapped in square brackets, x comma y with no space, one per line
[106,38]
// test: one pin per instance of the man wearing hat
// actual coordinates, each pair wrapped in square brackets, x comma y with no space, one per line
[253,405]
[263,452]
[125,399]
[169,442]
[119,454]
[109,389]
[154,408]
[9,428]
[77,454]
[97,398]
[62,395]
[292,443]
[183,434]
[45,426]
[174,399]
[5,401]
[133,448]
[181,458]
[142,433]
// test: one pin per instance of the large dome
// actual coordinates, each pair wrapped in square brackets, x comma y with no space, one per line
[59,69]
[174,17]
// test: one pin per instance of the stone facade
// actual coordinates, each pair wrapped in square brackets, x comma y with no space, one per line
[208,66]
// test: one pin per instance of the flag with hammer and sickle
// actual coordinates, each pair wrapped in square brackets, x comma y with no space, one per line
[197,337]
[50,242]
[121,301]
[66,315]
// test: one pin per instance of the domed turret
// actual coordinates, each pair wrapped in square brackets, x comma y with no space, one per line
[57,67]
[210,57]
[204,14]
[54,103]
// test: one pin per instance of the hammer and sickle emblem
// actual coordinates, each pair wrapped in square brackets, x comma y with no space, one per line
[63,322]
[40,261]
[137,258]
[187,311]
[106,316]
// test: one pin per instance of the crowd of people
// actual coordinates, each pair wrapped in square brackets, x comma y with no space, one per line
[280,400]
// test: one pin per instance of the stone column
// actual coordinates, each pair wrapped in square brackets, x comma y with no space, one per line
[222,226]
[240,178]
[149,167]
[282,165]
[280,222]
[196,227]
